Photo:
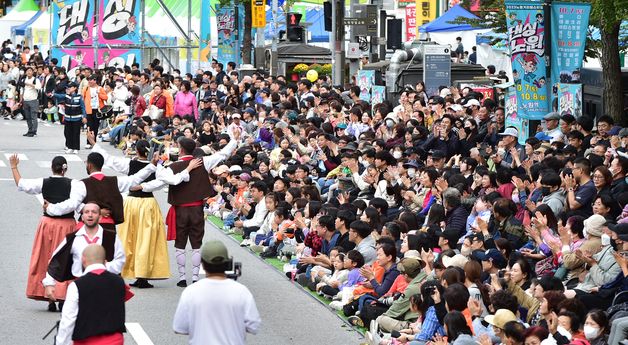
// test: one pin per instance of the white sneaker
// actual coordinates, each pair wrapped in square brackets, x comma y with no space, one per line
[336,305]
[68,151]
[75,151]
[88,146]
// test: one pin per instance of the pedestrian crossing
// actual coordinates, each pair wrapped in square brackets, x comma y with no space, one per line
[71,158]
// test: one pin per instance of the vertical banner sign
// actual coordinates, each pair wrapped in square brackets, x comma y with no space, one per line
[225,22]
[512,119]
[365,81]
[570,22]
[425,11]
[570,99]
[118,23]
[378,94]
[73,58]
[206,34]
[526,33]
[436,68]
[72,22]
[410,22]
[258,13]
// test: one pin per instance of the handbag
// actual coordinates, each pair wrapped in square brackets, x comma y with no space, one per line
[154,113]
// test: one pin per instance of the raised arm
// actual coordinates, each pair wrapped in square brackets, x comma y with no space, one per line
[211,161]
[118,164]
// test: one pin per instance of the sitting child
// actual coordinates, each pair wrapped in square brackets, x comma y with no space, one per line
[353,262]
[335,279]
[52,112]
[318,272]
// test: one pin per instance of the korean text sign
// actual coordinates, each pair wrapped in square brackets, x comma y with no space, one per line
[118,22]
[72,22]
[569,33]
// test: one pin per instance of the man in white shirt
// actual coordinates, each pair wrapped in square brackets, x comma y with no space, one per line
[69,252]
[216,310]
[30,101]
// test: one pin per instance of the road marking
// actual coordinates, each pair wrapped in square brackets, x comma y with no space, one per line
[138,334]
[20,156]
[72,158]
[7,179]
[43,164]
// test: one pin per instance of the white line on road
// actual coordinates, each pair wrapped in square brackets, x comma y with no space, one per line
[138,334]
[72,158]
[20,156]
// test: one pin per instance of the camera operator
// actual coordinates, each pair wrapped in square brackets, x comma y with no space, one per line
[216,310]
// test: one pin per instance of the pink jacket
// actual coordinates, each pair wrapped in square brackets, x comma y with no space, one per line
[185,104]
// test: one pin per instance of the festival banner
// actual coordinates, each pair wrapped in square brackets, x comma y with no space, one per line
[206,38]
[72,22]
[512,118]
[73,58]
[378,94]
[426,11]
[526,36]
[570,22]
[570,99]
[227,34]
[118,22]
[411,22]
[365,81]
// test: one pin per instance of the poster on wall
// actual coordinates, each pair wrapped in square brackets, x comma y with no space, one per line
[72,22]
[512,118]
[205,37]
[227,34]
[570,99]
[73,58]
[119,22]
[526,32]
[365,81]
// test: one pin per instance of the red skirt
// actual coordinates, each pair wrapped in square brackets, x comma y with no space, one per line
[50,233]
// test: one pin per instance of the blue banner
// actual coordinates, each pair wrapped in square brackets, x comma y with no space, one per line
[227,34]
[526,37]
[206,39]
[570,22]
[72,23]
[570,99]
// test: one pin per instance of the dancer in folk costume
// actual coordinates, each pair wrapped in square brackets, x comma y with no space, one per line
[189,187]
[143,233]
[51,229]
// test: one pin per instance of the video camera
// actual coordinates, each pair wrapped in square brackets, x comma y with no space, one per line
[235,271]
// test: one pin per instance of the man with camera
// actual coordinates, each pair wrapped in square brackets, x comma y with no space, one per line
[216,310]
[30,100]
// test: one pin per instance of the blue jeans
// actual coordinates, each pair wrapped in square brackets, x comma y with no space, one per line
[324,184]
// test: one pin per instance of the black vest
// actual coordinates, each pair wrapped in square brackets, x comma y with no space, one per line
[60,265]
[101,305]
[196,189]
[106,194]
[134,167]
[55,190]
[73,105]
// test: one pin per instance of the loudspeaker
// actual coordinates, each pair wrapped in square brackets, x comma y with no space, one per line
[393,34]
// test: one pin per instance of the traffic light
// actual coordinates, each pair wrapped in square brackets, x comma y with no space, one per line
[293,27]
[328,15]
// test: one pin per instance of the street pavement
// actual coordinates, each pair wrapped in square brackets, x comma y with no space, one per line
[289,315]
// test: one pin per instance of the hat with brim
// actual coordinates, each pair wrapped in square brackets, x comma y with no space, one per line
[542,136]
[593,225]
[501,318]
[410,266]
[215,253]
[510,131]
[552,116]
[457,260]
[221,169]
[620,229]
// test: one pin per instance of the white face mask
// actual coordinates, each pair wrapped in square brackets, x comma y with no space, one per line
[397,154]
[563,332]
[591,332]
[606,240]
[118,84]
[412,172]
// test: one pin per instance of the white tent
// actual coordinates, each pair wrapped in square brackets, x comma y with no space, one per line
[12,19]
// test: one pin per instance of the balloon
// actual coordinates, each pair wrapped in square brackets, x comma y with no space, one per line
[312,75]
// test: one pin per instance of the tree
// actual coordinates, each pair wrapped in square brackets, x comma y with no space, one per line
[607,15]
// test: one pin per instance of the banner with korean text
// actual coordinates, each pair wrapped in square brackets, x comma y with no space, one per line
[73,58]
[365,81]
[72,22]
[570,22]
[227,34]
[411,22]
[570,99]
[512,118]
[118,22]
[526,33]
[426,11]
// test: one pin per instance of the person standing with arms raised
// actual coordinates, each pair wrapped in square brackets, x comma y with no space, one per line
[188,188]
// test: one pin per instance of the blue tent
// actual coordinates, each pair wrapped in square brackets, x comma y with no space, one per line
[20,30]
[444,22]
[314,17]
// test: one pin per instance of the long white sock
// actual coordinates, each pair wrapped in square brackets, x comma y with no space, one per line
[180,255]
[196,263]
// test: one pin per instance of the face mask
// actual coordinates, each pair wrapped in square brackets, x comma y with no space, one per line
[545,191]
[591,332]
[118,84]
[515,198]
[411,172]
[397,154]
[605,239]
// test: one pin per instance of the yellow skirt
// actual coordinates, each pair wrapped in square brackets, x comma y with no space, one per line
[143,235]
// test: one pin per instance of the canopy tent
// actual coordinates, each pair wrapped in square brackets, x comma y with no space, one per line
[21,13]
[445,23]
[20,30]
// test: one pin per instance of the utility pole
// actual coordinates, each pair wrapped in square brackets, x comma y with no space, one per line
[354,64]
[338,37]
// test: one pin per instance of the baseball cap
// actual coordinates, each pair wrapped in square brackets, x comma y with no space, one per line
[437,154]
[221,169]
[72,84]
[455,107]
[620,229]
[513,132]
[450,235]
[235,168]
[236,116]
[214,253]
[471,102]
[501,318]
[623,133]
[457,260]
[410,266]
[493,255]
[552,116]
[542,136]
[244,177]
